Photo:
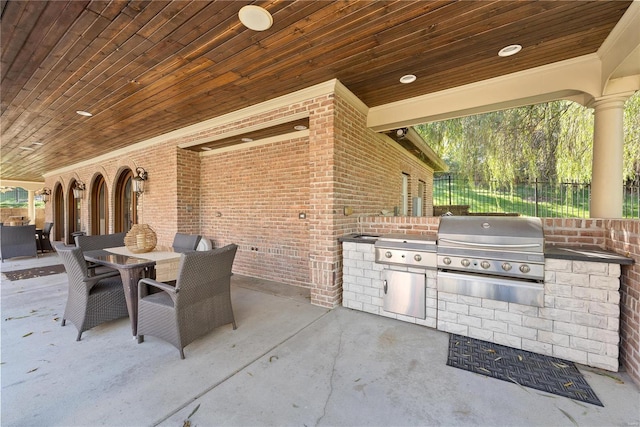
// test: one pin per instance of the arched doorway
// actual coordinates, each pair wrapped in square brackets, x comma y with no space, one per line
[58,213]
[99,207]
[73,212]
[126,203]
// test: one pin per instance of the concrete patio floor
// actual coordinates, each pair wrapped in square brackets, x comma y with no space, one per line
[288,363]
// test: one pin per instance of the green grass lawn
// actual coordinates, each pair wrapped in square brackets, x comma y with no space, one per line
[567,201]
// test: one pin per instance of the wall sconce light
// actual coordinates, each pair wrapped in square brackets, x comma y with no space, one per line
[46,194]
[78,190]
[138,181]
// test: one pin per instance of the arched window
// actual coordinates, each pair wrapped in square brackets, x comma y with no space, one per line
[58,213]
[99,207]
[126,203]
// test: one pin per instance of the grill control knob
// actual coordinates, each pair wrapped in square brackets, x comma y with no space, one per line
[525,268]
[388,254]
[465,262]
[506,266]
[446,260]
[417,257]
[485,264]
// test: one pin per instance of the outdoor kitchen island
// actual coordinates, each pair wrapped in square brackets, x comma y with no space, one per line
[579,319]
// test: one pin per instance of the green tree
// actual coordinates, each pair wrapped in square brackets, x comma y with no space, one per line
[551,142]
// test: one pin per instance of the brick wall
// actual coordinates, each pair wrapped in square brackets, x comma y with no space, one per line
[253,196]
[623,237]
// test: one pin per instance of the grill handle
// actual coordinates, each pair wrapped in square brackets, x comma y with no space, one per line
[385,286]
[485,245]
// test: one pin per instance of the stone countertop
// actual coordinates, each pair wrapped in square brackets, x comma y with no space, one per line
[371,238]
[359,238]
[593,254]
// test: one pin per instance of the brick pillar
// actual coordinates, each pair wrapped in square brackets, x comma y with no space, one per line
[324,255]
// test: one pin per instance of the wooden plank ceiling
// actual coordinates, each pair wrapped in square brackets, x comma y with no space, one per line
[144,68]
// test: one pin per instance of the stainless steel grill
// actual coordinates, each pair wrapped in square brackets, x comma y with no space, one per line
[493,257]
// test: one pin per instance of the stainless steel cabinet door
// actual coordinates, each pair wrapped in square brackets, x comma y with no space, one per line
[404,293]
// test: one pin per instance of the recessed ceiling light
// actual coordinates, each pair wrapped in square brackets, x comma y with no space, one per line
[512,49]
[206,148]
[255,18]
[409,78]
[300,127]
[37,143]
[27,148]
[84,113]
[247,139]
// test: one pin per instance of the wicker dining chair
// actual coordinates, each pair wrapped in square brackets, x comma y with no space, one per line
[45,237]
[92,300]
[185,242]
[199,302]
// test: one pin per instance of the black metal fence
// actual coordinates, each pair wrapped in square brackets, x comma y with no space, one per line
[15,195]
[537,198]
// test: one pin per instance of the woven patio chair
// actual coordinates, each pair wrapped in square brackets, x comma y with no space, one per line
[45,237]
[18,241]
[200,301]
[99,241]
[185,242]
[92,300]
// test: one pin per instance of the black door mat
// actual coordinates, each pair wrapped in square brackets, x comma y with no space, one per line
[30,273]
[522,367]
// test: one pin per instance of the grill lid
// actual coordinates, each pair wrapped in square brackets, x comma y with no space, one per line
[489,232]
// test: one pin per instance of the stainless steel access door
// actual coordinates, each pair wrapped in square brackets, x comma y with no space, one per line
[404,293]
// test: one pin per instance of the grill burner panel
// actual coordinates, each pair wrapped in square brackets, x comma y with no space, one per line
[407,251]
[492,266]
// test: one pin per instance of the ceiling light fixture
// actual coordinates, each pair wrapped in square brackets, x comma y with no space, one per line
[512,49]
[84,113]
[300,127]
[247,140]
[409,78]
[255,18]
[27,148]
[37,143]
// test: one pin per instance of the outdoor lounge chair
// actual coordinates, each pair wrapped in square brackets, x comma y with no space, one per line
[92,300]
[185,242]
[18,241]
[200,301]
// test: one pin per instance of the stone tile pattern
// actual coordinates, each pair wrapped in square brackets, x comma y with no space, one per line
[620,236]
[362,284]
[579,321]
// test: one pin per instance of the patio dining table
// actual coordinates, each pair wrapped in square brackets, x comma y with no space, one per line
[131,269]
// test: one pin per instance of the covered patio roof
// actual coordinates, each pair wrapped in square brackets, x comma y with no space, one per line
[144,69]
